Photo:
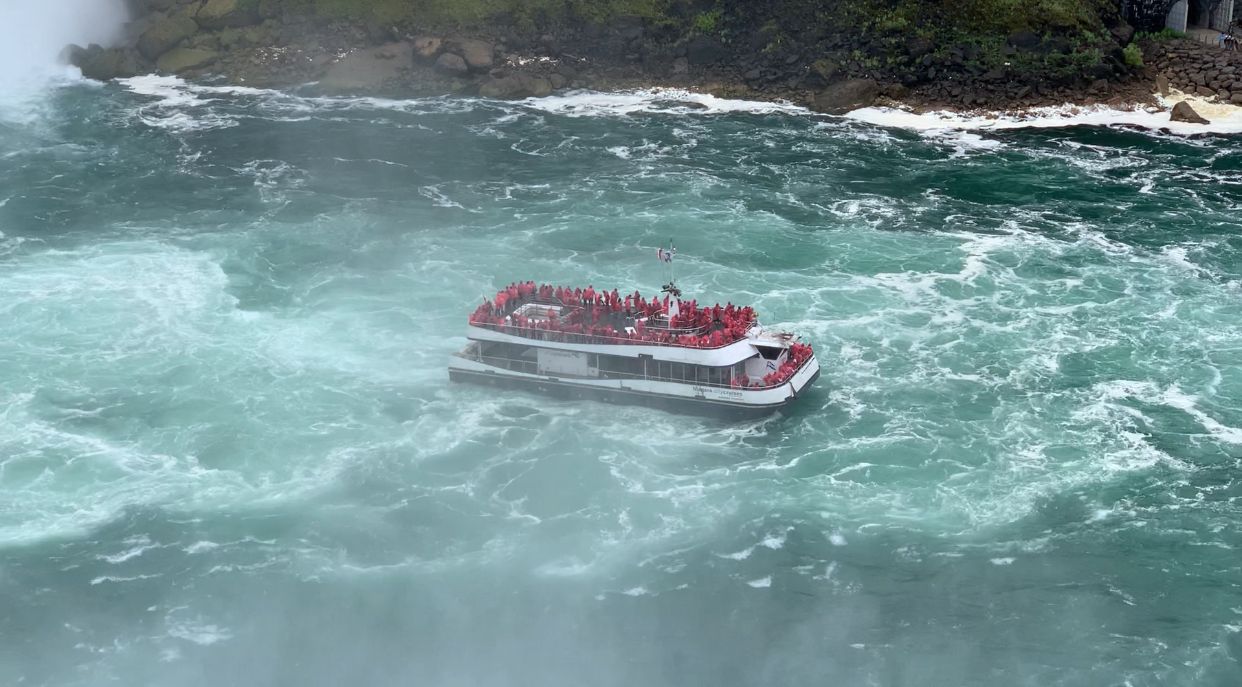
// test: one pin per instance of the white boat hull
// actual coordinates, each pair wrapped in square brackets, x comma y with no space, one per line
[681,396]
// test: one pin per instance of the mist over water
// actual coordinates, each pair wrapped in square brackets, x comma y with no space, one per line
[34,32]
[230,454]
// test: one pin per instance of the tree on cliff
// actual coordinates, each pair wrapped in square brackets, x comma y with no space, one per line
[1147,15]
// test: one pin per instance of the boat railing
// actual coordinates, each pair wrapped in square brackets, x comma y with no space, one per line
[602,339]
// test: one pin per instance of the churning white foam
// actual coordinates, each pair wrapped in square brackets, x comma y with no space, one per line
[1225,119]
[655,100]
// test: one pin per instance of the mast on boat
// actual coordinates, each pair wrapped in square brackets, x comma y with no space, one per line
[673,293]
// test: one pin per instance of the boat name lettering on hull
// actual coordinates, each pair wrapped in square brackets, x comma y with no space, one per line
[719,393]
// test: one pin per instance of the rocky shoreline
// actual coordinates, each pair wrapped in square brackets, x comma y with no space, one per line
[259,43]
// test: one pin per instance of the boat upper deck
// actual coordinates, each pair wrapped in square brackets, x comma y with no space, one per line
[586,316]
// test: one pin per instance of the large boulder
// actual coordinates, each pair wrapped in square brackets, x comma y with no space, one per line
[478,55]
[1123,33]
[918,46]
[842,97]
[369,71]
[103,64]
[516,86]
[427,48]
[165,34]
[822,72]
[180,60]
[452,64]
[222,14]
[1183,112]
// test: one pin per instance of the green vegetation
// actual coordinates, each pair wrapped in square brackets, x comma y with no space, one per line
[971,17]
[1165,34]
[465,13]
[964,16]
[1024,15]
[1071,35]
[709,23]
[1134,55]
[1063,39]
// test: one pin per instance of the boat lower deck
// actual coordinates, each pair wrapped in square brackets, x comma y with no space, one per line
[715,401]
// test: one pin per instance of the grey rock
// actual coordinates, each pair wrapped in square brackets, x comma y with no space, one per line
[103,64]
[452,64]
[164,35]
[918,47]
[516,86]
[180,60]
[1123,32]
[1162,85]
[845,96]
[1183,112]
[220,14]
[427,48]
[478,55]
[895,91]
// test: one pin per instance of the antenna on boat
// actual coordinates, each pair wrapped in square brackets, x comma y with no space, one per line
[667,256]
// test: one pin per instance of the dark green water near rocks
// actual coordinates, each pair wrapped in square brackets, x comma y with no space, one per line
[230,453]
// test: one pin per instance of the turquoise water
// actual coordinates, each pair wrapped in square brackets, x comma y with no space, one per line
[230,453]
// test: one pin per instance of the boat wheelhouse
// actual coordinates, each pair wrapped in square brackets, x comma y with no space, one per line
[669,353]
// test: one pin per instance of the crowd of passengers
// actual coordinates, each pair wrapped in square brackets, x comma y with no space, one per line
[609,317]
[603,316]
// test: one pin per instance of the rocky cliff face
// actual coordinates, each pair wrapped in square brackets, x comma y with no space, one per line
[831,68]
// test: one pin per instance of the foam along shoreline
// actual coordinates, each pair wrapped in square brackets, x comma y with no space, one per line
[1224,118]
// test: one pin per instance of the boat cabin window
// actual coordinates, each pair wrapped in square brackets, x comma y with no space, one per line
[524,358]
[769,352]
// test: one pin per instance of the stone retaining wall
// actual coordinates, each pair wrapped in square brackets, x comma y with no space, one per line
[1196,68]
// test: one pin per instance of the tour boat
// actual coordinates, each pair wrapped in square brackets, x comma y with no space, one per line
[663,352]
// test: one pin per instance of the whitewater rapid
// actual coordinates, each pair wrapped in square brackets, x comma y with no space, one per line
[229,450]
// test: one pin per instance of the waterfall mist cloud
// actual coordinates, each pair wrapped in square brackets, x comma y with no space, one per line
[33,32]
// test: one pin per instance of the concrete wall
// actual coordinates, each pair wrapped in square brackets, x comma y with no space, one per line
[1222,15]
[1178,16]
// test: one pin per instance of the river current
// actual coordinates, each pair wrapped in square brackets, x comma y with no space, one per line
[230,453]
